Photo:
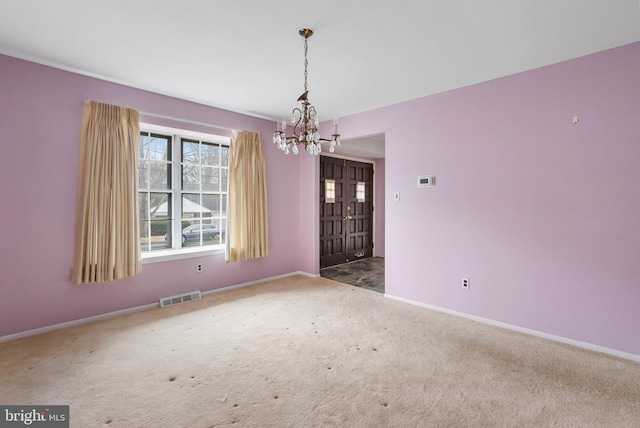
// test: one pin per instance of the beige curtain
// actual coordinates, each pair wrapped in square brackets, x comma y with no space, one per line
[107,238]
[248,237]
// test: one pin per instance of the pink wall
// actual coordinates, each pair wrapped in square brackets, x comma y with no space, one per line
[40,118]
[308,218]
[541,214]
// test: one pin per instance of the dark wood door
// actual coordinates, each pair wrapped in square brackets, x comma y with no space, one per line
[346,211]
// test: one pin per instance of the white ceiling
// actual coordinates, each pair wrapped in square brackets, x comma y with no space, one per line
[247,56]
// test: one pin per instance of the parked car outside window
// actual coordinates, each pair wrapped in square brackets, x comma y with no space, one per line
[191,233]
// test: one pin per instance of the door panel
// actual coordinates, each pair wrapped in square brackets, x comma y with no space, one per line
[360,231]
[346,225]
[332,233]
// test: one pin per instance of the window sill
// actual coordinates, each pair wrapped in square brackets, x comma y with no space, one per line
[183,253]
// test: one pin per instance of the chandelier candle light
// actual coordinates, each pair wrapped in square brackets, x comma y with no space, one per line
[306,128]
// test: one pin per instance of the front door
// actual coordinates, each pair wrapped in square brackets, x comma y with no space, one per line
[346,210]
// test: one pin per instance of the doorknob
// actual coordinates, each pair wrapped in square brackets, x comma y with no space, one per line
[348,216]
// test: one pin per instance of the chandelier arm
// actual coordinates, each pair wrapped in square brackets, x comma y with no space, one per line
[334,137]
[297,124]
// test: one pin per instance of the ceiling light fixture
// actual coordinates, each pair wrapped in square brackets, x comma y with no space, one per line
[306,128]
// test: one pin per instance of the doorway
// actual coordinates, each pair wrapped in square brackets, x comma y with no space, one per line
[346,211]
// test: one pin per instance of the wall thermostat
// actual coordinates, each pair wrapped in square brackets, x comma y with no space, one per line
[426,180]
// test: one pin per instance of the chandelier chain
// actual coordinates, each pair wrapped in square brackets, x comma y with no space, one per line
[305,63]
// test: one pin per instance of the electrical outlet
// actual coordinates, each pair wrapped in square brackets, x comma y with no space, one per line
[465,283]
[199,267]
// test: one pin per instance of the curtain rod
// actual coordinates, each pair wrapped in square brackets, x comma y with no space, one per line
[178,119]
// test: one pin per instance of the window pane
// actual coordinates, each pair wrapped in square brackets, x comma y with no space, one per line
[159,148]
[330,191]
[225,155]
[155,235]
[143,208]
[210,232]
[160,234]
[190,151]
[224,179]
[191,207]
[191,233]
[159,173]
[360,191]
[211,203]
[154,165]
[144,144]
[143,174]
[154,147]
[145,242]
[190,177]
[210,154]
[213,232]
[159,206]
[210,179]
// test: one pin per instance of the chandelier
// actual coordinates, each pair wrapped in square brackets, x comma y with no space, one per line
[306,128]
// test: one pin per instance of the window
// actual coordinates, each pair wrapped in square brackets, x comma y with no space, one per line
[360,187]
[183,189]
[330,191]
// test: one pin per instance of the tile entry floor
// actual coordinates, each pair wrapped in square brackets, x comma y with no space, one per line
[366,273]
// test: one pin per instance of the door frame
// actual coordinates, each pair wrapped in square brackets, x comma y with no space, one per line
[374,215]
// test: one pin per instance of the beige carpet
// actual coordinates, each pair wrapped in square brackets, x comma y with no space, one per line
[303,352]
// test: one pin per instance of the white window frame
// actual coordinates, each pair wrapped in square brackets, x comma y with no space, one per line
[177,252]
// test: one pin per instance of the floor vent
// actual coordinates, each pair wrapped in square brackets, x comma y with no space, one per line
[179,298]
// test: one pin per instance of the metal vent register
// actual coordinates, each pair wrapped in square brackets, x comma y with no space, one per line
[179,298]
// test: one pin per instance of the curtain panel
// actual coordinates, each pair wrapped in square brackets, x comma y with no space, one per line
[248,213]
[107,232]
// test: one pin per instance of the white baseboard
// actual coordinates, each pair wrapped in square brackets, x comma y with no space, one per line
[49,328]
[127,311]
[577,343]
[258,281]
